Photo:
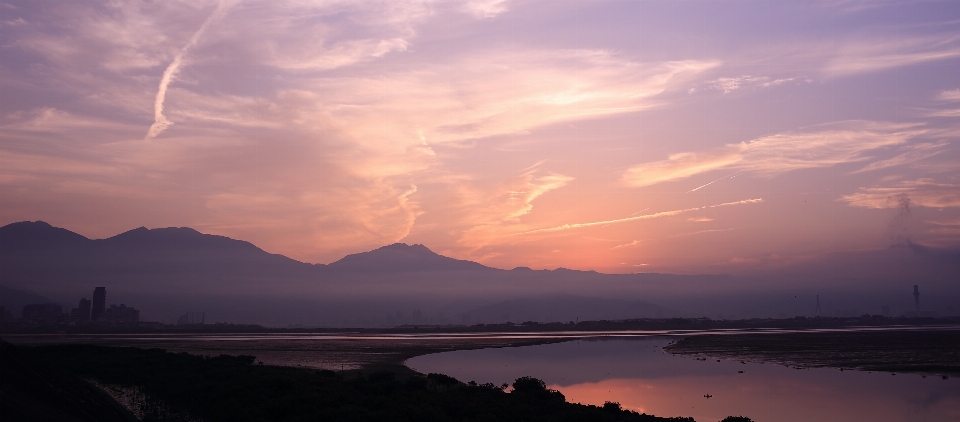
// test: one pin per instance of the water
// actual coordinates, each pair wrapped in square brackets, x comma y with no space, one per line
[641,377]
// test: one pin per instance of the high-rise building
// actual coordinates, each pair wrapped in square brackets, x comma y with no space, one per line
[99,302]
[84,310]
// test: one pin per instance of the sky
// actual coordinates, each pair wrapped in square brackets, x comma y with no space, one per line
[618,136]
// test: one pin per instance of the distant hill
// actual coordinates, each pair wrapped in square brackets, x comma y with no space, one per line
[38,254]
[168,271]
[403,257]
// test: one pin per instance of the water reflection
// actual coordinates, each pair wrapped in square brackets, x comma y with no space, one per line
[639,375]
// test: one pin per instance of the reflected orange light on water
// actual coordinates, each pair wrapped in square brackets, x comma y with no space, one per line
[762,397]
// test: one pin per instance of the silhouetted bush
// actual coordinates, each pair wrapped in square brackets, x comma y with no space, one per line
[231,388]
[535,388]
[736,419]
[611,406]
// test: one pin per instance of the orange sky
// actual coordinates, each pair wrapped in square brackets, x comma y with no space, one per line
[617,136]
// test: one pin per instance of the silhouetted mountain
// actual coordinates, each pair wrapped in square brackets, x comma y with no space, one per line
[168,271]
[37,254]
[181,238]
[403,257]
[29,235]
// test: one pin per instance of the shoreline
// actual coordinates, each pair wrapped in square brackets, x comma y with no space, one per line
[928,352]
[356,353]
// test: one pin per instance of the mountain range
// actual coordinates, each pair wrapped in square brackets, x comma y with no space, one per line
[168,271]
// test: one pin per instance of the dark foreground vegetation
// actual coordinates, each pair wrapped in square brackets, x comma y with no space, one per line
[31,390]
[919,351]
[180,387]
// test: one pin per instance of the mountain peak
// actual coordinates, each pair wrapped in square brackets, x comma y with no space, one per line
[37,234]
[179,237]
[403,257]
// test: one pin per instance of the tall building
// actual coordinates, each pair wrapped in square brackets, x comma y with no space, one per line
[84,310]
[99,302]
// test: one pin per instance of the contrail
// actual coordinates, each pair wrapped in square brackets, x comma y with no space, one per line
[639,217]
[160,122]
[715,181]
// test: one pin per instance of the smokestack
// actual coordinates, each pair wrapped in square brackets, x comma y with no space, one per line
[916,298]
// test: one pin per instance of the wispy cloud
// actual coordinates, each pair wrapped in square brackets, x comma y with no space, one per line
[702,232]
[486,8]
[875,55]
[913,154]
[730,84]
[639,217]
[493,93]
[161,122]
[920,192]
[632,244]
[954,112]
[493,214]
[776,153]
[715,181]
[950,95]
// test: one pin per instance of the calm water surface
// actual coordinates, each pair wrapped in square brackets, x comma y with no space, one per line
[640,376]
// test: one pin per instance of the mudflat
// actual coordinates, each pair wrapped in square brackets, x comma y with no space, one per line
[917,351]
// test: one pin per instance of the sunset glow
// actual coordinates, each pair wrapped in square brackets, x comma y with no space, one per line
[695,136]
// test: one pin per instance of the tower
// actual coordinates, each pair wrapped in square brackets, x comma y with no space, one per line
[99,302]
[916,298]
[818,305]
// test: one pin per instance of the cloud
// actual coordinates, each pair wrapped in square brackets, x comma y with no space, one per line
[486,8]
[714,181]
[632,244]
[776,153]
[951,95]
[492,215]
[730,84]
[639,217]
[876,55]
[491,93]
[702,232]
[955,112]
[914,153]
[161,122]
[920,192]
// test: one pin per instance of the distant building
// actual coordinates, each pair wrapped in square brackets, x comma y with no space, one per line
[6,318]
[42,312]
[99,303]
[82,312]
[120,315]
[192,318]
